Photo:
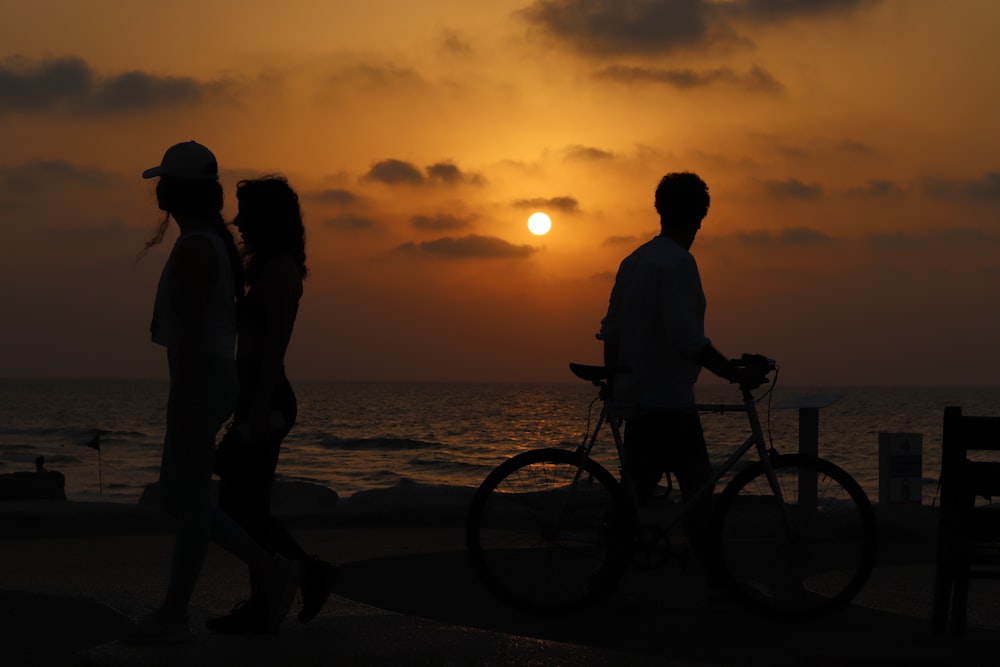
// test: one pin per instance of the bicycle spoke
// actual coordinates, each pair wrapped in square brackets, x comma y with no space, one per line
[803,556]
[541,542]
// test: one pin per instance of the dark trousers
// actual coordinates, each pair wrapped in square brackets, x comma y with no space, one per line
[672,441]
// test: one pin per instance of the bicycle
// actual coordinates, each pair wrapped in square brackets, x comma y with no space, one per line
[552,530]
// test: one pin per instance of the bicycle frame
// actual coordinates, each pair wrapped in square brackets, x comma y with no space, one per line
[755,439]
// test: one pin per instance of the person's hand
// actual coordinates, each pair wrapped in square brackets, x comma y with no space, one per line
[749,378]
[750,371]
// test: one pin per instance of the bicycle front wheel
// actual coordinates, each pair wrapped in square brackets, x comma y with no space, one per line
[803,556]
[547,535]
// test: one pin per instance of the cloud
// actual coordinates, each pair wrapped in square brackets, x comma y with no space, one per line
[439,222]
[386,76]
[473,246]
[659,27]
[395,172]
[895,241]
[794,152]
[856,147]
[987,187]
[455,43]
[875,189]
[587,153]
[447,172]
[335,196]
[963,238]
[607,27]
[793,189]
[71,85]
[803,236]
[400,172]
[135,91]
[795,236]
[756,79]
[562,204]
[43,174]
[618,240]
[349,223]
[778,11]
[967,236]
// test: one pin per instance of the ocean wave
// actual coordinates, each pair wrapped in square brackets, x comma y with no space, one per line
[49,458]
[76,435]
[17,447]
[441,464]
[387,444]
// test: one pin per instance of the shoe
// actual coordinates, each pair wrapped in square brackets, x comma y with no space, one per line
[281,591]
[318,578]
[248,617]
[158,628]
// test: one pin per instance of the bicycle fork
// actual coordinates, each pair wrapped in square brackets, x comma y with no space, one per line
[584,453]
[765,455]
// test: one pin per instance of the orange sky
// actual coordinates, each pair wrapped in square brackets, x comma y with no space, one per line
[849,146]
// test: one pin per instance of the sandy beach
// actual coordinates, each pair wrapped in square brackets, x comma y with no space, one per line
[73,575]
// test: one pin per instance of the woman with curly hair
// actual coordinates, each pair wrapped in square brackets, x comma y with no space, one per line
[270,222]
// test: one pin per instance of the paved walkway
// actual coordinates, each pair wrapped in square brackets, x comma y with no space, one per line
[408,596]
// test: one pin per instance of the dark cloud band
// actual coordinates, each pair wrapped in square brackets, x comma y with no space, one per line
[71,85]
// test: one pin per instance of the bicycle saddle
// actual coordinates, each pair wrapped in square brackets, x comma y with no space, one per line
[590,373]
[596,373]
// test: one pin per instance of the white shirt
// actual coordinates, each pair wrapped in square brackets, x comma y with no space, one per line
[220,329]
[656,317]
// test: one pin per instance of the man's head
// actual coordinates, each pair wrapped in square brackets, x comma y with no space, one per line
[682,201]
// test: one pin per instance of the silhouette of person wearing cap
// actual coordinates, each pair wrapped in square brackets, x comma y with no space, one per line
[194,318]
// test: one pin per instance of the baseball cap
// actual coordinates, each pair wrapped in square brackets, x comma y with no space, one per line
[189,160]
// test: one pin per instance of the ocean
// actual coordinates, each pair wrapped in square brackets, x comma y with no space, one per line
[355,437]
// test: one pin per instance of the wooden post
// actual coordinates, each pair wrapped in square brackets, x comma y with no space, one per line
[808,446]
[809,407]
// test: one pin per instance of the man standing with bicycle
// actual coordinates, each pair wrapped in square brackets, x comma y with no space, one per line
[655,343]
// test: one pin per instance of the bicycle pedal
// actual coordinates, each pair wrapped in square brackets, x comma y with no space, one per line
[651,547]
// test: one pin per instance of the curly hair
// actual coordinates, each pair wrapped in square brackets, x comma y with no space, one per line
[271,223]
[682,200]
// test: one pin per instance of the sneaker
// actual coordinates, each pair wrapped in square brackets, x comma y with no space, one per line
[248,617]
[281,591]
[158,628]
[318,578]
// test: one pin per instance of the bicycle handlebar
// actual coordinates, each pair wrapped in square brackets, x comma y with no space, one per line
[756,362]
[758,367]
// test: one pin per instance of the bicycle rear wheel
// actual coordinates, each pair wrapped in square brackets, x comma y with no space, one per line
[803,557]
[543,543]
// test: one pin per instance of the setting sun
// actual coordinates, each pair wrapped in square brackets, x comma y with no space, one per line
[539,223]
